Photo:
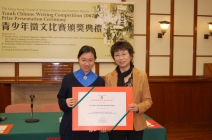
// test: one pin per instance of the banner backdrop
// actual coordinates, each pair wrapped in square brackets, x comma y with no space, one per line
[54,31]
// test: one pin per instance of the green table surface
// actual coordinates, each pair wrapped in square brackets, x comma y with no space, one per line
[48,127]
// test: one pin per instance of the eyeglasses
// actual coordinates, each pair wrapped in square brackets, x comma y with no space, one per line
[118,56]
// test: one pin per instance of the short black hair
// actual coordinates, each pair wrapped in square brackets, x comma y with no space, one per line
[122,45]
[86,49]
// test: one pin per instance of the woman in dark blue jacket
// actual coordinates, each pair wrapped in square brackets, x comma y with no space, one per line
[84,77]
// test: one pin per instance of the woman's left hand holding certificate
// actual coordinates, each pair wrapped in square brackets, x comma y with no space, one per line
[71,102]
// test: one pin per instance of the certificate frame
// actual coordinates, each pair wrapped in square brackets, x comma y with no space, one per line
[94,91]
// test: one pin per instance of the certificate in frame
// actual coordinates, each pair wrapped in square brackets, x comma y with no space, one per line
[102,107]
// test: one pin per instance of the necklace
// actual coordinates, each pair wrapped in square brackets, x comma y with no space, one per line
[85,77]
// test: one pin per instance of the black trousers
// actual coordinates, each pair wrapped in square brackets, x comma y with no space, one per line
[81,135]
[122,135]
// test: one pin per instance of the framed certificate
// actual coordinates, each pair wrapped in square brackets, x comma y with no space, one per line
[102,107]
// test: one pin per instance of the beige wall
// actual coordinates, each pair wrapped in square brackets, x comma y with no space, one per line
[158,66]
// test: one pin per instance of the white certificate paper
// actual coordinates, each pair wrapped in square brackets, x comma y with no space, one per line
[105,109]
[102,107]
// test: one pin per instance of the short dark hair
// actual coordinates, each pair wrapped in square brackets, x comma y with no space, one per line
[86,49]
[122,45]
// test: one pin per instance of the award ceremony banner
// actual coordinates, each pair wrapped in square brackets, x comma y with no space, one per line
[102,107]
[54,31]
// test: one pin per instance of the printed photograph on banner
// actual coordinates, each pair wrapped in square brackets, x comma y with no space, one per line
[54,31]
[117,24]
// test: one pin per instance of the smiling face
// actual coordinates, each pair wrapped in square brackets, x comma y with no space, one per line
[86,62]
[122,59]
[122,53]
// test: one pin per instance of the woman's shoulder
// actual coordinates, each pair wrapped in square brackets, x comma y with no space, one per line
[100,78]
[68,76]
[138,71]
[112,73]
[99,81]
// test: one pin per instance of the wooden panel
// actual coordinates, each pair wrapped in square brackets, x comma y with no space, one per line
[183,56]
[203,45]
[140,52]
[51,73]
[7,69]
[5,96]
[204,7]
[208,70]
[189,132]
[157,6]
[56,70]
[200,64]
[183,11]
[30,69]
[159,46]
[159,66]
[181,102]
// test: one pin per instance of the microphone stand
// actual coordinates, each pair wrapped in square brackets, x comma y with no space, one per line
[31,120]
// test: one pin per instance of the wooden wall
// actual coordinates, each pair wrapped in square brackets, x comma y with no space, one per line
[5,96]
[174,101]
[181,102]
